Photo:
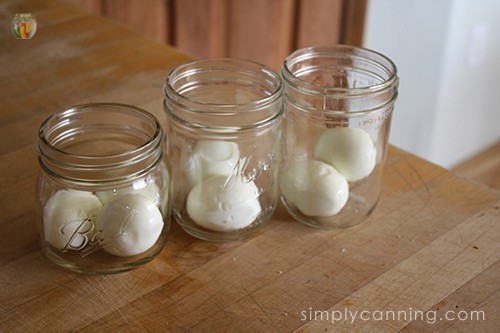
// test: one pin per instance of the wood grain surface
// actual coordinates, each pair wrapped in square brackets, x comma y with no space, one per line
[432,244]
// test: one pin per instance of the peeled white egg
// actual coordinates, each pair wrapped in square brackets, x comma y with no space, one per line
[315,188]
[130,225]
[212,158]
[350,150]
[69,217]
[224,203]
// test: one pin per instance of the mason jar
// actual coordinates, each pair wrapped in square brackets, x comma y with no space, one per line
[338,105]
[224,120]
[102,202]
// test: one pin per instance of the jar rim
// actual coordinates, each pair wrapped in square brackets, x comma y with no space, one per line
[66,162]
[214,64]
[336,50]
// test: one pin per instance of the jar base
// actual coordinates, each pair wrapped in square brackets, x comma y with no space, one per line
[91,267]
[220,237]
[354,213]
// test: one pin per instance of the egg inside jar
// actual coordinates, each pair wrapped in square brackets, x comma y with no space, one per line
[221,199]
[320,186]
[122,222]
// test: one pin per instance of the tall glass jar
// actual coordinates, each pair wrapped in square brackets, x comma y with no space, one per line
[338,105]
[102,203]
[224,140]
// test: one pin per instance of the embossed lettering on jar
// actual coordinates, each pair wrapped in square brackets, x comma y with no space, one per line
[103,190]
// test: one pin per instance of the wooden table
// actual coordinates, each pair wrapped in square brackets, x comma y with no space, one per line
[432,244]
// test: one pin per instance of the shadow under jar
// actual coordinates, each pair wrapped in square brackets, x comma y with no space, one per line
[103,191]
[338,106]
[224,140]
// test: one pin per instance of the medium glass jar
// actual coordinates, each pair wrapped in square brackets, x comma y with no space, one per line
[102,203]
[338,105]
[224,140]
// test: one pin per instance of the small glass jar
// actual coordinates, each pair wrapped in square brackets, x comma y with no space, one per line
[102,203]
[224,140]
[338,105]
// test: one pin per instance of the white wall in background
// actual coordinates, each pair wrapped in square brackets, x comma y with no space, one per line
[448,57]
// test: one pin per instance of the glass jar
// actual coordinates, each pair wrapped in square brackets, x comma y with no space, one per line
[102,203]
[224,139]
[338,105]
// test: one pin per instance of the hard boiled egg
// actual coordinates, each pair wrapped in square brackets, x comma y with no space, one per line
[129,225]
[68,218]
[224,203]
[350,150]
[315,188]
[212,158]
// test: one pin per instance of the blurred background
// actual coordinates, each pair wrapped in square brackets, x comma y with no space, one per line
[447,53]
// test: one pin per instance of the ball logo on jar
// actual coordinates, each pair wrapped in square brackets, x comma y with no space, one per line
[79,235]
[24,26]
[90,239]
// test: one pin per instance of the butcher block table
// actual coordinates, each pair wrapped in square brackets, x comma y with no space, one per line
[427,259]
